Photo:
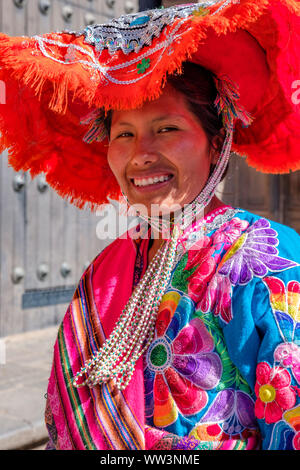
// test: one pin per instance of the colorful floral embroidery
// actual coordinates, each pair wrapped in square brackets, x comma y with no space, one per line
[231,414]
[253,254]
[248,254]
[285,304]
[217,298]
[205,256]
[230,231]
[192,386]
[180,363]
[231,377]
[286,432]
[292,418]
[274,392]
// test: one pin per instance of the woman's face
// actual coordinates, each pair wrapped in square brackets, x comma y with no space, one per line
[159,153]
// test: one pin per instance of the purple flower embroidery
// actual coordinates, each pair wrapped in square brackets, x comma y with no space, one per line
[180,364]
[253,254]
[232,410]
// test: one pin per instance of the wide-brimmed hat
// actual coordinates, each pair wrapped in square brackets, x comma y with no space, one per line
[57,84]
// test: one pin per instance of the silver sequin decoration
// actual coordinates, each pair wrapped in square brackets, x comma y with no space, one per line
[130,33]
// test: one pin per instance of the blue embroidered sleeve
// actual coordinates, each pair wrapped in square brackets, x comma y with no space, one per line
[263,335]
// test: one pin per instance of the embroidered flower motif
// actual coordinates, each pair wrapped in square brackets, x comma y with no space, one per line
[288,355]
[253,254]
[230,414]
[206,287]
[230,231]
[217,298]
[274,392]
[143,66]
[201,257]
[249,254]
[206,253]
[180,363]
[292,418]
[285,304]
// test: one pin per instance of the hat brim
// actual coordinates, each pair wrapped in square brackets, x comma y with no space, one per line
[255,43]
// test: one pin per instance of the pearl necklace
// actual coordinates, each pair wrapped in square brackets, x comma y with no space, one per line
[134,330]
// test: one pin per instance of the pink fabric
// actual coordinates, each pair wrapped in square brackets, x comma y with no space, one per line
[102,294]
[111,294]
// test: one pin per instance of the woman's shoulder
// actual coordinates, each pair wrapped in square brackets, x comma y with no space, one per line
[252,217]
[265,231]
[115,252]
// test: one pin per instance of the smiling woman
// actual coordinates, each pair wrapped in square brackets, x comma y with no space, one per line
[186,338]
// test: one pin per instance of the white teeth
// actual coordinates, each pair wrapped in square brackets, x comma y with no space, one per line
[149,181]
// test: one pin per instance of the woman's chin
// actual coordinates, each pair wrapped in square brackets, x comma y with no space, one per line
[151,203]
[155,207]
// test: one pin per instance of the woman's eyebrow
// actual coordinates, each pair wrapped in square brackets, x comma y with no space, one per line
[168,116]
[157,119]
[122,123]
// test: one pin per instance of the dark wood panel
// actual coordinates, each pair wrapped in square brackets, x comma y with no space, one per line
[39,227]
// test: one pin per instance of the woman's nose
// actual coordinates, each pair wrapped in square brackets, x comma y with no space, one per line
[144,152]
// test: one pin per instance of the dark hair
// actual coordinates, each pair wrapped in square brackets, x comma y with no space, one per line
[196,83]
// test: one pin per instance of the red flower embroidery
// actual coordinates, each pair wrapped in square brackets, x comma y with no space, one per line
[217,298]
[205,255]
[296,441]
[274,392]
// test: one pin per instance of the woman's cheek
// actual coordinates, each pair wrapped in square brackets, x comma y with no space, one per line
[114,158]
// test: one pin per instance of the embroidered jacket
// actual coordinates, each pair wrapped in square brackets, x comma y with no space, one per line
[225,362]
[223,370]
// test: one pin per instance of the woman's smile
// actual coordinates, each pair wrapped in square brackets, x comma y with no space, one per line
[151,183]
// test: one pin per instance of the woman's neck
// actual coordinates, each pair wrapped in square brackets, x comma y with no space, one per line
[158,238]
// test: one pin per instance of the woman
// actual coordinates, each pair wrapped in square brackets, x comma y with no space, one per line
[187,338]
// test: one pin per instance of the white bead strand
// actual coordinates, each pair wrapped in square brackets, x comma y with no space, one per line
[135,329]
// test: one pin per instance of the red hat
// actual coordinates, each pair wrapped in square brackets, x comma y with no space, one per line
[55,80]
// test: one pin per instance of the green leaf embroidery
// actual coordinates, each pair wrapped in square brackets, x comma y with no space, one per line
[231,375]
[180,276]
[143,66]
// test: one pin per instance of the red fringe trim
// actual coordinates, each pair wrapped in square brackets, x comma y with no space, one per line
[45,101]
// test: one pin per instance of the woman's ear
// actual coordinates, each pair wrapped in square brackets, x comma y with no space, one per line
[216,147]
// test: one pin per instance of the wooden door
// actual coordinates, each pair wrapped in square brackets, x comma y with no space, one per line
[45,243]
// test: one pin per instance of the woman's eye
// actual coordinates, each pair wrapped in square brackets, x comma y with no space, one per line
[124,134]
[167,129]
